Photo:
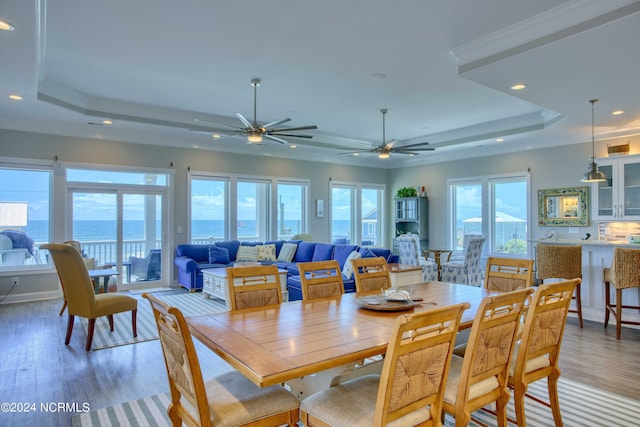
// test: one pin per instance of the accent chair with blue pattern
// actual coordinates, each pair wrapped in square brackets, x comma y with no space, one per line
[409,252]
[469,271]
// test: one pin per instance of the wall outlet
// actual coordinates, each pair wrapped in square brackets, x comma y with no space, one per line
[15,281]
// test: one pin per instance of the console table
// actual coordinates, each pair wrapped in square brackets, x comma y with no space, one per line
[403,274]
[214,284]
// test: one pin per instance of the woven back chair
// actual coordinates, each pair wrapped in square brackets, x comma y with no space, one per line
[624,274]
[508,274]
[371,274]
[227,399]
[251,287]
[536,355]
[561,262]
[320,279]
[480,378]
[410,389]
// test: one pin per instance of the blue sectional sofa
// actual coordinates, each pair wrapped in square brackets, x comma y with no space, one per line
[191,259]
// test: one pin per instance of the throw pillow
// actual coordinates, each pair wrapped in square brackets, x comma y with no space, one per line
[218,255]
[247,253]
[266,252]
[367,253]
[347,271]
[287,252]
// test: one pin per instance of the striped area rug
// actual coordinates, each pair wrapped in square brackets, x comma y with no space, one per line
[581,406]
[191,304]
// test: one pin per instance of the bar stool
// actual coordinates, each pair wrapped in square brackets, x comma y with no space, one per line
[624,273]
[561,262]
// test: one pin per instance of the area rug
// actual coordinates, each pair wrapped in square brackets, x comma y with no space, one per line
[581,406]
[191,304]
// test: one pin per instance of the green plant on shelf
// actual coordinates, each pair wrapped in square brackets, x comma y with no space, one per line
[407,192]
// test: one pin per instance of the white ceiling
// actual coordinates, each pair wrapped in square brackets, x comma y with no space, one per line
[153,67]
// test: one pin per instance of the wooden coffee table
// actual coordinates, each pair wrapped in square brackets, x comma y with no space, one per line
[214,284]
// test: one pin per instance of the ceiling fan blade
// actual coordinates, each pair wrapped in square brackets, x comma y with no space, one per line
[273,138]
[419,144]
[411,153]
[290,129]
[277,122]
[414,149]
[217,124]
[244,121]
[290,135]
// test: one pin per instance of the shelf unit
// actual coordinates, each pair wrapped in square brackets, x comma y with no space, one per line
[618,198]
[412,216]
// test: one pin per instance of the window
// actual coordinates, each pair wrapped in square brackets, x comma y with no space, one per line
[494,206]
[25,216]
[120,219]
[291,209]
[246,208]
[356,214]
[208,209]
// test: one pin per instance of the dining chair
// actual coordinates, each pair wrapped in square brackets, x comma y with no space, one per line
[371,274]
[508,274]
[80,294]
[480,377]
[469,271]
[228,399]
[409,390]
[623,274]
[250,287]
[561,262]
[408,246]
[536,354]
[320,279]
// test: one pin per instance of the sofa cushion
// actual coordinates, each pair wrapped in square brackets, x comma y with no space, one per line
[322,252]
[198,253]
[347,271]
[266,252]
[304,253]
[384,253]
[232,246]
[287,252]
[367,253]
[341,252]
[247,253]
[277,243]
[218,255]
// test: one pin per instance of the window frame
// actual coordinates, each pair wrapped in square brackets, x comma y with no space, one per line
[356,210]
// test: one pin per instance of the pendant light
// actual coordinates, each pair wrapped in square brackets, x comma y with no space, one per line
[593,174]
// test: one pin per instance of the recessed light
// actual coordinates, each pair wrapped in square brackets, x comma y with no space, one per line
[499,139]
[518,86]
[293,146]
[15,97]
[377,76]
[617,112]
[4,25]
[215,136]
[355,154]
[107,122]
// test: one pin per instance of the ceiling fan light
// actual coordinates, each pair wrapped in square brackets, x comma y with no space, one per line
[384,155]
[254,136]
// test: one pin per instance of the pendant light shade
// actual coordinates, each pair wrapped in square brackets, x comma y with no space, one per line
[593,174]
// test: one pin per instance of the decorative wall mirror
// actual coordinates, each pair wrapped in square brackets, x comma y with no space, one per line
[564,207]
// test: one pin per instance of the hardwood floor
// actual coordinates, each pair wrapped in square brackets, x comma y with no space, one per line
[36,366]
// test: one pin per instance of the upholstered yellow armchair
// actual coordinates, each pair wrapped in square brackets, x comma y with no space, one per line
[79,292]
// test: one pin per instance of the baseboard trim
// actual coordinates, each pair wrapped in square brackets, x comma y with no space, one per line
[29,297]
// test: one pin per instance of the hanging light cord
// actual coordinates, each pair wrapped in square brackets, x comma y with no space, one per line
[593,135]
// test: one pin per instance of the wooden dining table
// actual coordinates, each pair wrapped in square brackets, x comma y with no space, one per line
[277,344]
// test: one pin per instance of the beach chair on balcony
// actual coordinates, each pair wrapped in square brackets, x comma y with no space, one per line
[147,268]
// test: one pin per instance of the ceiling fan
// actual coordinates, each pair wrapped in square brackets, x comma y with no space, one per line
[254,131]
[384,150]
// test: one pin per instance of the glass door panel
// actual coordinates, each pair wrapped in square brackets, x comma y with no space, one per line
[342,200]
[141,237]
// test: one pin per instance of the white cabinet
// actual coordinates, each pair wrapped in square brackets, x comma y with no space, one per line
[617,198]
[412,216]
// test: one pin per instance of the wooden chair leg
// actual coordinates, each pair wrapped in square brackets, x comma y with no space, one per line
[64,306]
[110,317]
[607,303]
[134,324]
[69,329]
[552,384]
[618,313]
[578,298]
[92,326]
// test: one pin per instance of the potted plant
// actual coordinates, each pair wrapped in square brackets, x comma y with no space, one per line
[407,192]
